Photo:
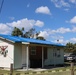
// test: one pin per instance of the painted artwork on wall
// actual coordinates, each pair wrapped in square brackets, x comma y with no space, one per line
[3,50]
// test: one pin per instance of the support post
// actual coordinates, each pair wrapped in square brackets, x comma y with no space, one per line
[11,69]
[27,49]
[72,68]
[42,57]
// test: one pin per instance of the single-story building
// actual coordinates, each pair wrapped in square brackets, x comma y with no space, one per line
[29,53]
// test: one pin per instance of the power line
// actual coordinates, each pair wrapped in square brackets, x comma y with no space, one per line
[1,6]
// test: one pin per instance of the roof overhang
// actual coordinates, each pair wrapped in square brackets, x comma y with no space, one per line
[4,39]
[45,45]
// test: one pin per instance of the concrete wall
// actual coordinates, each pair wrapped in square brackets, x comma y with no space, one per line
[53,58]
[6,61]
[17,55]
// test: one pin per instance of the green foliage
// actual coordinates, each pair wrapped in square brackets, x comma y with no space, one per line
[17,32]
[31,33]
[70,47]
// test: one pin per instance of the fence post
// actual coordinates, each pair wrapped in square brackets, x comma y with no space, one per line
[11,69]
[72,68]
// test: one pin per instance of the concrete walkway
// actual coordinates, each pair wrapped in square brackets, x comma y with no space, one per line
[32,69]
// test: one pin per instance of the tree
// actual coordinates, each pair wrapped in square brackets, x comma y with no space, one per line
[17,32]
[31,33]
[70,47]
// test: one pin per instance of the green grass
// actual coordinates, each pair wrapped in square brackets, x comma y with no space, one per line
[42,73]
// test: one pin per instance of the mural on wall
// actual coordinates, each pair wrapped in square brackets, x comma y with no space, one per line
[3,50]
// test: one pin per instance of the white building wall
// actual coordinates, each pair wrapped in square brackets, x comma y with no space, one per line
[52,57]
[24,55]
[6,61]
[49,59]
[60,60]
[17,55]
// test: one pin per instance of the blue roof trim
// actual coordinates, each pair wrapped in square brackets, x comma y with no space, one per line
[11,38]
[29,40]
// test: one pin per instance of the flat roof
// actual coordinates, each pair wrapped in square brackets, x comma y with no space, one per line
[17,39]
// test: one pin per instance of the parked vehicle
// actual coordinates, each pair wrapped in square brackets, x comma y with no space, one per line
[71,58]
[65,58]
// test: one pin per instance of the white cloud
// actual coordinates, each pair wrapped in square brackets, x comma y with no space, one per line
[73,20]
[44,34]
[39,23]
[72,1]
[73,40]
[4,29]
[43,10]
[50,31]
[27,24]
[60,3]
[57,37]
[63,30]
[73,29]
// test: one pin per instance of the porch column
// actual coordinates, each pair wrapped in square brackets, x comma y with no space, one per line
[27,49]
[42,57]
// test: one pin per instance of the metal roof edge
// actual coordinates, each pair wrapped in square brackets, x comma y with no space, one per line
[7,39]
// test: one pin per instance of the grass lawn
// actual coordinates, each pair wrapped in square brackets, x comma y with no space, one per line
[50,73]
[58,73]
[47,72]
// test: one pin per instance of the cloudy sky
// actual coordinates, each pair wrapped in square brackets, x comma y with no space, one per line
[55,19]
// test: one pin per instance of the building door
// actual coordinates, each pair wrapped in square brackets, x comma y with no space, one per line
[35,56]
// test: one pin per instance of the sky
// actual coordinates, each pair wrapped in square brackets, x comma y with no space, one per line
[55,19]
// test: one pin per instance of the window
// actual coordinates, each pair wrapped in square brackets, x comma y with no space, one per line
[58,52]
[33,50]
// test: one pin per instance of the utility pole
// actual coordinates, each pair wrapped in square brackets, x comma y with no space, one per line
[1,6]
